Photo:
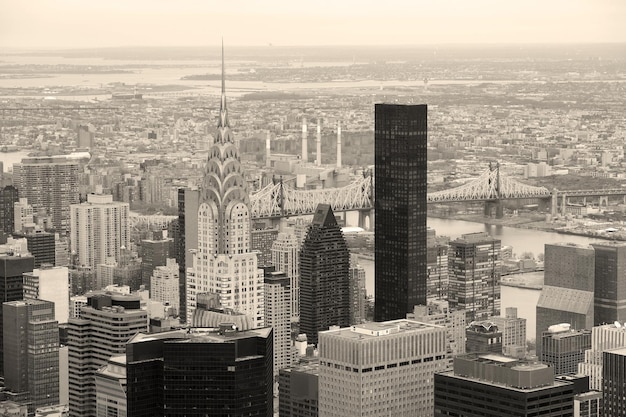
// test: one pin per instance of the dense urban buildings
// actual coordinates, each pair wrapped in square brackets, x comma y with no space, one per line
[475,267]
[278,316]
[603,338]
[401,133]
[324,276]
[179,373]
[40,244]
[513,332]
[380,368]
[610,285]
[286,258]
[49,183]
[224,262]
[564,348]
[154,252]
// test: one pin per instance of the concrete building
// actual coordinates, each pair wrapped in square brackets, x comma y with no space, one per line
[494,386]
[475,267]
[400,142]
[50,284]
[324,276]
[380,368]
[588,404]
[50,183]
[437,265]
[564,348]
[22,214]
[299,390]
[437,312]
[278,317]
[110,383]
[483,336]
[606,337]
[614,382]
[99,230]
[40,244]
[263,236]
[610,285]
[164,285]
[286,258]
[358,295]
[106,324]
[8,198]
[513,332]
[154,252]
[31,351]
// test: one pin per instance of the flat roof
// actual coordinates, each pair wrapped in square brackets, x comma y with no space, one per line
[380,329]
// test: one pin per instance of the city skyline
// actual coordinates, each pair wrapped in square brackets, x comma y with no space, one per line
[41,24]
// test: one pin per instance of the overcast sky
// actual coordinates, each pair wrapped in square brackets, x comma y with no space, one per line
[97,23]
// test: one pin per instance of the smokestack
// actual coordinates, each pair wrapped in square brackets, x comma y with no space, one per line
[268,152]
[305,157]
[318,159]
[338,144]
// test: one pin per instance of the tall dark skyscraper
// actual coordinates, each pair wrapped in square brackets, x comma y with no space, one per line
[324,276]
[400,205]
[610,285]
[8,197]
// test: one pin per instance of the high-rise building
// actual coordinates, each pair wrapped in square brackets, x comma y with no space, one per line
[437,312]
[610,285]
[298,389]
[286,258]
[8,198]
[358,301]
[31,351]
[588,404]
[110,381]
[223,261]
[567,293]
[23,214]
[105,325]
[49,183]
[40,244]
[494,386]
[564,348]
[324,276]
[380,369]
[513,332]
[278,316]
[50,284]
[603,338]
[99,230]
[263,236]
[614,382]
[154,252]
[164,285]
[400,241]
[483,336]
[11,284]
[178,373]
[475,268]
[437,265]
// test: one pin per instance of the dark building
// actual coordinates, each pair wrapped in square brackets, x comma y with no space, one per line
[324,276]
[154,252]
[400,205]
[483,336]
[563,348]
[496,386]
[31,351]
[40,244]
[8,197]
[216,373]
[610,285]
[12,284]
[298,393]
[614,382]
[263,236]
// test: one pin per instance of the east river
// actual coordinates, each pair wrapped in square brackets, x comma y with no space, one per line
[522,240]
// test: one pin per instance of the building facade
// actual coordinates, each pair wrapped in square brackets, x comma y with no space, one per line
[286,257]
[380,368]
[614,382]
[110,382]
[324,276]
[358,295]
[299,390]
[164,285]
[401,185]
[603,338]
[278,317]
[51,284]
[564,348]
[610,285]
[8,198]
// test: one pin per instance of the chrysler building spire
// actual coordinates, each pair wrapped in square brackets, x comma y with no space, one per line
[223,127]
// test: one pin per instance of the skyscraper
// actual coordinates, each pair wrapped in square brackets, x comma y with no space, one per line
[610,285]
[50,284]
[31,351]
[379,369]
[99,230]
[603,338]
[564,348]
[475,268]
[358,295]
[286,258]
[225,372]
[614,382]
[278,316]
[49,183]
[400,221]
[324,276]
[164,285]
[154,252]
[223,262]
[41,245]
[8,198]
[106,324]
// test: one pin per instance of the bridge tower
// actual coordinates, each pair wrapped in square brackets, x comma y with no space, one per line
[494,183]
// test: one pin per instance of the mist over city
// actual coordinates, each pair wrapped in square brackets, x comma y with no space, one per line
[312,208]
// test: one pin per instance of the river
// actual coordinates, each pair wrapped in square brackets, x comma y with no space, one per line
[522,240]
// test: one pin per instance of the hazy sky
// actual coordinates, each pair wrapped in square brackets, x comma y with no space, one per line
[95,23]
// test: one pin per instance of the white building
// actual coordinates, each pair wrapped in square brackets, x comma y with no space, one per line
[164,285]
[286,258]
[22,214]
[50,284]
[380,369]
[278,316]
[99,229]
[603,338]
[111,388]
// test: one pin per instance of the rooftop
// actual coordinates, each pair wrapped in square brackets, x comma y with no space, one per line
[374,329]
